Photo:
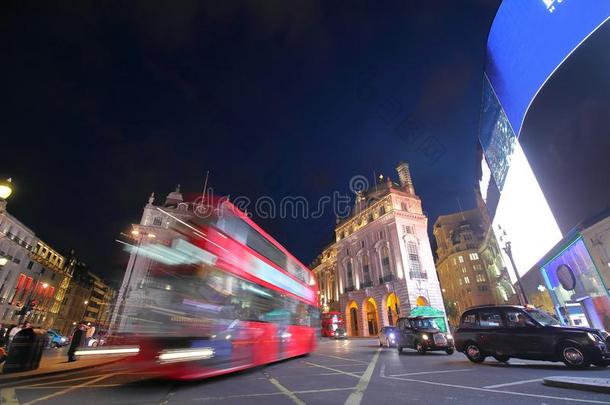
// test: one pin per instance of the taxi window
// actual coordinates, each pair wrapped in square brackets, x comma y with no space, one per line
[469,321]
[490,320]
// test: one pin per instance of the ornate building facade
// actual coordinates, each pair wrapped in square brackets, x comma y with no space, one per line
[469,263]
[381,263]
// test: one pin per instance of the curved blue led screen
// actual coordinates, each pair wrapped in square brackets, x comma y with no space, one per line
[528,40]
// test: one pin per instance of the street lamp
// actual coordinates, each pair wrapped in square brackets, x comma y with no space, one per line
[3,261]
[6,188]
[509,252]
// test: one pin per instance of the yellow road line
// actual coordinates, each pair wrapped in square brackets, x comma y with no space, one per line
[284,390]
[75,387]
[333,369]
[356,397]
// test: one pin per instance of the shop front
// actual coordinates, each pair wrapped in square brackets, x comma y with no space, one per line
[573,281]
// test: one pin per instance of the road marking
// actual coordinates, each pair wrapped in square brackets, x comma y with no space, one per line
[59,381]
[65,391]
[343,365]
[333,369]
[589,401]
[433,372]
[271,394]
[514,383]
[336,373]
[342,358]
[356,397]
[8,396]
[284,390]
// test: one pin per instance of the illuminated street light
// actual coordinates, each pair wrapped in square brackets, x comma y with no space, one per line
[44,285]
[135,232]
[6,189]
[86,302]
[3,261]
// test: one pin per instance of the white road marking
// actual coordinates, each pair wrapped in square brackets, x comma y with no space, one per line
[333,369]
[285,390]
[342,358]
[65,391]
[342,365]
[336,373]
[356,397]
[8,396]
[514,383]
[432,372]
[589,401]
[270,394]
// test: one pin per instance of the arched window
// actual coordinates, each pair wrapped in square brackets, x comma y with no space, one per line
[350,275]
[366,271]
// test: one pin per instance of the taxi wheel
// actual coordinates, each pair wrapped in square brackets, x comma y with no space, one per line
[502,358]
[449,351]
[420,348]
[574,356]
[473,352]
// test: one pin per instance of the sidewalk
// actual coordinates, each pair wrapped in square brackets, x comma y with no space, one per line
[579,383]
[51,365]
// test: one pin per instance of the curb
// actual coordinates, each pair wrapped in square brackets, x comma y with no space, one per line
[10,379]
[583,385]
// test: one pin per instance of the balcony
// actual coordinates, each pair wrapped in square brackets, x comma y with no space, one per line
[418,275]
[386,279]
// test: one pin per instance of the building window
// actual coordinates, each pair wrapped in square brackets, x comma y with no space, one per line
[157,221]
[30,265]
[466,280]
[477,267]
[454,261]
[362,244]
[366,272]
[483,288]
[474,256]
[404,206]
[381,234]
[407,229]
[350,275]
[385,261]
[481,278]
[464,270]
[382,210]
[460,281]
[460,259]
[370,216]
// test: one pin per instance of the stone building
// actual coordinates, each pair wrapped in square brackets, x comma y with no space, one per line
[469,262]
[325,270]
[381,258]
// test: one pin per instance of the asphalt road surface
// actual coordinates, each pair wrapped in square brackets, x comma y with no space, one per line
[339,372]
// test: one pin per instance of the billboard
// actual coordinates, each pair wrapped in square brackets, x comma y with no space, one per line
[529,40]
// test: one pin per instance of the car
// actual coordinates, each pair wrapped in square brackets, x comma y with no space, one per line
[387,336]
[524,332]
[422,334]
[340,333]
[56,339]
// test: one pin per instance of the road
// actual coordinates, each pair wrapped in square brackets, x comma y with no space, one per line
[339,372]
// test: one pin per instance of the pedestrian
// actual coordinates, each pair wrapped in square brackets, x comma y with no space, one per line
[11,335]
[90,333]
[77,340]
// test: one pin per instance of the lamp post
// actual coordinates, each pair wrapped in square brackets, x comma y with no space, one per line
[509,252]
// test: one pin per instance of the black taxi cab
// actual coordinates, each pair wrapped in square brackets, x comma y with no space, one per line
[422,334]
[505,331]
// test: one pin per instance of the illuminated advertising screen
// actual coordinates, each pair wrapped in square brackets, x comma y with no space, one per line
[529,39]
[525,215]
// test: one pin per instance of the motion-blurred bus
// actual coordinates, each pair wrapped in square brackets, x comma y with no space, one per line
[220,295]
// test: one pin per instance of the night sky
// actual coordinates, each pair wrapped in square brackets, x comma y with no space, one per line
[104,103]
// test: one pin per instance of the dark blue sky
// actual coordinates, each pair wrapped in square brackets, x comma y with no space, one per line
[102,104]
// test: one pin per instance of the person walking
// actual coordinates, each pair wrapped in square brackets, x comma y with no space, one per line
[89,335]
[77,340]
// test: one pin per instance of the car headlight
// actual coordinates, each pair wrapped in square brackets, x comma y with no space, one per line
[448,336]
[63,339]
[392,336]
[594,337]
[425,337]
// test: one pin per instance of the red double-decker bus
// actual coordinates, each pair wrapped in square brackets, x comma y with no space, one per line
[220,295]
[330,322]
